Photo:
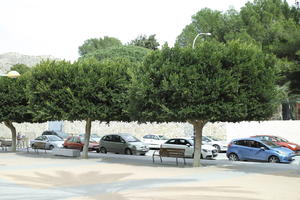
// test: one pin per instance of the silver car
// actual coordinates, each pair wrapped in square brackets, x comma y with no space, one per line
[122,143]
[47,142]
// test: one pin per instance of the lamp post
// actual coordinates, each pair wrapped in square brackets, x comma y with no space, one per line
[208,34]
[11,74]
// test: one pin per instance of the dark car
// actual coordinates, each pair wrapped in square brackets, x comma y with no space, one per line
[77,142]
[56,133]
[259,150]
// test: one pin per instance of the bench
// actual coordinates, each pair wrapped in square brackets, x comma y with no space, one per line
[5,144]
[169,152]
[66,152]
[36,146]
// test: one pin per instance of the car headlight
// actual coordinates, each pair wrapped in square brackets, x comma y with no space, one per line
[281,153]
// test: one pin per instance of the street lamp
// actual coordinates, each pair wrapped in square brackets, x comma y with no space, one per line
[208,34]
[11,74]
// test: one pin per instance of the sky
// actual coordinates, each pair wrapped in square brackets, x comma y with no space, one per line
[59,27]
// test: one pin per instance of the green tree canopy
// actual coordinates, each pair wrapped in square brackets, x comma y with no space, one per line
[132,53]
[21,68]
[94,44]
[13,103]
[214,82]
[146,42]
[85,90]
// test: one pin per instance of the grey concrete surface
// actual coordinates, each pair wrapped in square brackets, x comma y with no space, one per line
[44,176]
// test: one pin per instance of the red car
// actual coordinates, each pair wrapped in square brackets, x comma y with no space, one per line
[279,141]
[76,142]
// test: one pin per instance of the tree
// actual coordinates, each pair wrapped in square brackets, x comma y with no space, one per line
[85,90]
[21,68]
[143,41]
[14,106]
[132,53]
[94,44]
[214,82]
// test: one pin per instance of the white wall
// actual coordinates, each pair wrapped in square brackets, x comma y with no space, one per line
[289,130]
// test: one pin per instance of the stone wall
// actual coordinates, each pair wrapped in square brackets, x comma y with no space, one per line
[228,131]
[29,130]
[286,129]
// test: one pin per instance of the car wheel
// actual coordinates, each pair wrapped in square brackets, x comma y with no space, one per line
[217,147]
[233,157]
[98,150]
[51,147]
[274,159]
[128,151]
[33,146]
[103,150]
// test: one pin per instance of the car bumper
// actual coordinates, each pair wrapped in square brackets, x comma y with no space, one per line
[141,152]
[287,159]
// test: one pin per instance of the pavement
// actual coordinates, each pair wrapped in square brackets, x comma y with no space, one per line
[43,176]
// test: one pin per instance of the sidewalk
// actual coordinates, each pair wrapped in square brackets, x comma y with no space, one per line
[46,177]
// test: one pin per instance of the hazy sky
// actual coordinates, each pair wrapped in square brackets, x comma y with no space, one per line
[58,27]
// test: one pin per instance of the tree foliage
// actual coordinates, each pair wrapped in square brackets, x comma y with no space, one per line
[146,42]
[94,44]
[85,90]
[272,24]
[14,105]
[131,53]
[215,82]
[21,68]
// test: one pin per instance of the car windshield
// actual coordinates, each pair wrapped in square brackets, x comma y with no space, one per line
[95,136]
[162,137]
[130,138]
[54,138]
[270,144]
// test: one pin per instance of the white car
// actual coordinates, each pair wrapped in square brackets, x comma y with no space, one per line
[220,145]
[207,151]
[154,141]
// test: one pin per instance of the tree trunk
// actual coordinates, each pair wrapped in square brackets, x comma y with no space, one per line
[87,136]
[10,125]
[198,127]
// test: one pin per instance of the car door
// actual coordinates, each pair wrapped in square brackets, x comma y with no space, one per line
[258,151]
[119,144]
[244,149]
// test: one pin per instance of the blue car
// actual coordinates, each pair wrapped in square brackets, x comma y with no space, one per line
[259,150]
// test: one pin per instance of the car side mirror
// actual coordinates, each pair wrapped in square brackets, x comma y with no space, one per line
[263,148]
[188,145]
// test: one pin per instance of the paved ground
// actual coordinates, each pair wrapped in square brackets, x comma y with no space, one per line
[120,177]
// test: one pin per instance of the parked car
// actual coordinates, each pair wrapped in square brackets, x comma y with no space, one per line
[56,133]
[122,143]
[154,141]
[207,151]
[94,137]
[280,141]
[77,142]
[47,142]
[260,150]
[220,145]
